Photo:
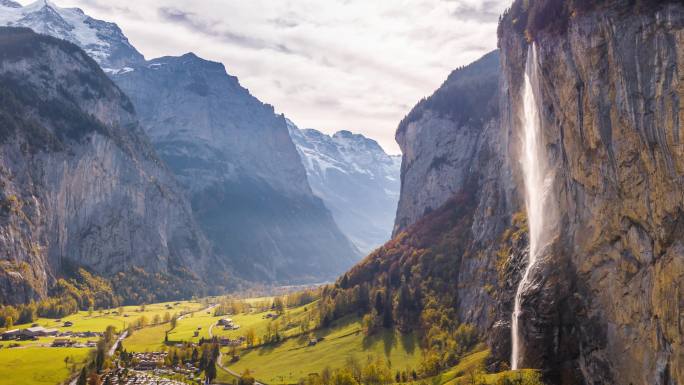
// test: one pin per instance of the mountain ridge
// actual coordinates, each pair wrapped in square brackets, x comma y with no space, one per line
[355,178]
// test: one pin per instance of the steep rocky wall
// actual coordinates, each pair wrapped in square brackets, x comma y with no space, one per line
[440,138]
[607,302]
[79,182]
[233,153]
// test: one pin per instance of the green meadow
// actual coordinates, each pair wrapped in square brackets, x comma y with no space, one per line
[37,365]
[293,359]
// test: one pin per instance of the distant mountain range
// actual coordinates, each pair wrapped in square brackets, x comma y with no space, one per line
[246,181]
[356,179]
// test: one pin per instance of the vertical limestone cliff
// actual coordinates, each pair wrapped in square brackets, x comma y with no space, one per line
[79,183]
[440,138]
[607,300]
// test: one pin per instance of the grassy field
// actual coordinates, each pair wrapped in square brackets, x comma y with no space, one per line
[471,370]
[202,321]
[37,365]
[99,320]
[293,359]
[148,339]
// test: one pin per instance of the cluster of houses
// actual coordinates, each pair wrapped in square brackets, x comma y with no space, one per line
[31,333]
[68,343]
[225,341]
[149,361]
[154,361]
[120,376]
[35,331]
[228,324]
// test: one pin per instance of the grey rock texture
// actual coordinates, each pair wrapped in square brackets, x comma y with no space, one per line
[79,182]
[607,304]
[248,186]
[356,180]
[439,138]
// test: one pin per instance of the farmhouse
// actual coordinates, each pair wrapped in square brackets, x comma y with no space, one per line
[225,322]
[62,343]
[10,334]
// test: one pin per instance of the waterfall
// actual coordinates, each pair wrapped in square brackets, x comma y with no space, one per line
[538,179]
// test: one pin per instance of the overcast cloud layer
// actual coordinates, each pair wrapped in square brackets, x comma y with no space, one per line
[358,65]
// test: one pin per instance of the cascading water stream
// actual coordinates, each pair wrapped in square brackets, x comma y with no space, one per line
[538,179]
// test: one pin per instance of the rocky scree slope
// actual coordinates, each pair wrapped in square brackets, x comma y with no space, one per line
[79,182]
[607,302]
[248,186]
[356,180]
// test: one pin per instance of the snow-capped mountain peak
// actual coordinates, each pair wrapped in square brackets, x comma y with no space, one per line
[103,41]
[355,178]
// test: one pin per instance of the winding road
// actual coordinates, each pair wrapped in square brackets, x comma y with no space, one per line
[219,362]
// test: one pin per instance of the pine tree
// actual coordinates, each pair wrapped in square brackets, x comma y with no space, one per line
[82,378]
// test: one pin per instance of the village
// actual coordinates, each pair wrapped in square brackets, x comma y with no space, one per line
[62,338]
[158,368]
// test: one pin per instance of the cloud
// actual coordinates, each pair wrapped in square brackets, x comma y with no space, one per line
[484,11]
[327,64]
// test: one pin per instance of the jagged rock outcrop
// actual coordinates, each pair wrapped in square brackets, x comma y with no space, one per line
[103,41]
[607,302]
[248,186]
[440,138]
[356,180]
[79,182]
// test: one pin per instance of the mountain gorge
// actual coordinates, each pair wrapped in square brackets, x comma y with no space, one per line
[356,180]
[539,212]
[231,153]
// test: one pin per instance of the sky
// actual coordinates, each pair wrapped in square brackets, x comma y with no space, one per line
[357,65]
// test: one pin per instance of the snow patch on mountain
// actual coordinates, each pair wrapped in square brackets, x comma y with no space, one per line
[355,178]
[103,41]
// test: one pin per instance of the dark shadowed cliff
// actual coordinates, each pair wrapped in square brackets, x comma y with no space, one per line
[79,182]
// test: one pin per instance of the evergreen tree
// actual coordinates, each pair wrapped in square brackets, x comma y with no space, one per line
[82,378]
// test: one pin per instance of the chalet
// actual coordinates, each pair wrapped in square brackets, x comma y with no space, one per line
[225,322]
[10,334]
[62,343]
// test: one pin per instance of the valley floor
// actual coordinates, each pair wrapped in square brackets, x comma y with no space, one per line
[297,355]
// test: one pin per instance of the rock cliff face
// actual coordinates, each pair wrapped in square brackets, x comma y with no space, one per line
[607,302]
[440,138]
[458,244]
[248,186]
[356,180]
[79,183]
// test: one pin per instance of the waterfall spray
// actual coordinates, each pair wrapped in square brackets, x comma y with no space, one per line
[538,180]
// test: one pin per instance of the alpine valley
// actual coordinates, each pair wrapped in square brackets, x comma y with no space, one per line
[531,232]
